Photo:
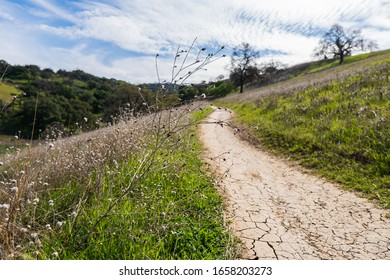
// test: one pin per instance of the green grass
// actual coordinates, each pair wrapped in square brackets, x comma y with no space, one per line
[324,65]
[7,91]
[341,128]
[173,214]
[171,211]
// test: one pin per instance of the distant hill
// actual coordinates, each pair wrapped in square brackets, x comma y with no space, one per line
[69,98]
[72,101]
[7,92]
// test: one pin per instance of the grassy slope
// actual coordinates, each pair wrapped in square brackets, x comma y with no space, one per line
[172,214]
[162,205]
[6,92]
[339,127]
[324,65]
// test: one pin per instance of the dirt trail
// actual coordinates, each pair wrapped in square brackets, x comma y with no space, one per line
[279,212]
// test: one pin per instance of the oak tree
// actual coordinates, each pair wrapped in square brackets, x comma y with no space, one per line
[340,43]
[243,65]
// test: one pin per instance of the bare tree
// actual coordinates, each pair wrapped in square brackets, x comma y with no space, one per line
[341,43]
[243,65]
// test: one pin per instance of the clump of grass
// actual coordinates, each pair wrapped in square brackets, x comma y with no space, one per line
[340,128]
[134,190]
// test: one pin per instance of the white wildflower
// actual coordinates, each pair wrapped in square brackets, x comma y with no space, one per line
[4,206]
[55,255]
[35,201]
[51,203]
[14,190]
[48,227]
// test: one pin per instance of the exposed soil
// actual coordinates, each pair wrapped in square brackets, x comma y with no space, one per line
[281,212]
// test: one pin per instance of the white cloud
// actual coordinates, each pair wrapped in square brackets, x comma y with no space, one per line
[6,15]
[53,10]
[158,26]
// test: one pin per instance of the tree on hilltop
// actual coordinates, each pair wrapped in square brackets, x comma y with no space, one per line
[340,43]
[243,65]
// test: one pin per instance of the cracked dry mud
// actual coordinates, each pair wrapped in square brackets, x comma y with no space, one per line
[280,212]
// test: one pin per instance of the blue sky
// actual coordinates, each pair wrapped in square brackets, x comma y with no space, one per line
[120,38]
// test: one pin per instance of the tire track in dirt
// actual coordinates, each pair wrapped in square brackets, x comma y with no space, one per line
[279,212]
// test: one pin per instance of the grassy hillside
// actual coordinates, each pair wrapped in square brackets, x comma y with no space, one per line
[7,91]
[135,190]
[331,63]
[334,121]
[70,99]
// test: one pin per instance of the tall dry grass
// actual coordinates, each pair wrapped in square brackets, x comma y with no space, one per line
[30,174]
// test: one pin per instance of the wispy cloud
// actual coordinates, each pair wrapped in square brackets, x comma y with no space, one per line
[50,10]
[140,29]
[6,15]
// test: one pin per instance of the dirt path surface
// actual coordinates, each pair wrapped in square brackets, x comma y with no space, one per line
[279,212]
